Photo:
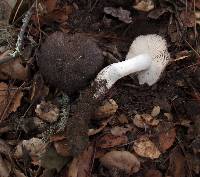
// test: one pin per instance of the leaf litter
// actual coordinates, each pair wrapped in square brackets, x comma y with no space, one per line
[126,135]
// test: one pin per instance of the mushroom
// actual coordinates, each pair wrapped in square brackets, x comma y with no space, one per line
[69,61]
[147,56]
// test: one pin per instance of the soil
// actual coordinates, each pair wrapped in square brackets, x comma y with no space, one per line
[98,37]
[175,92]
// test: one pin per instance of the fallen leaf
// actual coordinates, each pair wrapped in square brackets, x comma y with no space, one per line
[145,120]
[197,15]
[60,15]
[17,101]
[177,164]
[30,124]
[144,5]
[95,131]
[50,5]
[108,109]
[122,160]
[123,119]
[185,123]
[49,173]
[195,145]
[18,173]
[4,148]
[197,4]
[5,11]
[52,160]
[173,32]
[139,122]
[153,173]
[169,116]
[188,18]
[73,168]
[146,148]
[39,89]
[121,14]
[156,111]
[157,13]
[34,146]
[81,165]
[12,69]
[119,131]
[5,168]
[194,162]
[109,140]
[10,99]
[62,148]
[47,111]
[56,137]
[166,139]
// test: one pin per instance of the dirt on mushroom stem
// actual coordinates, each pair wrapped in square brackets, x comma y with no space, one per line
[76,130]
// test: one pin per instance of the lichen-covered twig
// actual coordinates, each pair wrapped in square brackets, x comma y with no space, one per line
[20,40]
[60,124]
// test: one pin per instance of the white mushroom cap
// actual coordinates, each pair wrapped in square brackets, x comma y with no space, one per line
[156,47]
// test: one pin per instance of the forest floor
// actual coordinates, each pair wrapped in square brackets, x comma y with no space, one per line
[137,130]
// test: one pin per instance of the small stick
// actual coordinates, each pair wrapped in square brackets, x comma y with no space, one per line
[20,39]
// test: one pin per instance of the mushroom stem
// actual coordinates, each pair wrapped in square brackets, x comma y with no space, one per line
[112,73]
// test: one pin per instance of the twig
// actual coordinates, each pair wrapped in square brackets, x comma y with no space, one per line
[20,40]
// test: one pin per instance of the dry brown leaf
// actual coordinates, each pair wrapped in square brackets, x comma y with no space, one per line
[156,111]
[153,173]
[47,111]
[34,146]
[73,168]
[194,162]
[95,131]
[39,90]
[122,160]
[146,148]
[197,4]
[12,69]
[5,11]
[5,168]
[169,116]
[185,123]
[145,120]
[166,139]
[197,15]
[119,131]
[16,101]
[188,18]
[50,5]
[18,173]
[62,148]
[144,5]
[157,13]
[139,122]
[121,14]
[123,119]
[108,109]
[177,164]
[59,15]
[56,137]
[10,99]
[81,165]
[4,148]
[109,140]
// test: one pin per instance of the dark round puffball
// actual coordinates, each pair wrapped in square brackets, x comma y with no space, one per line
[69,61]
